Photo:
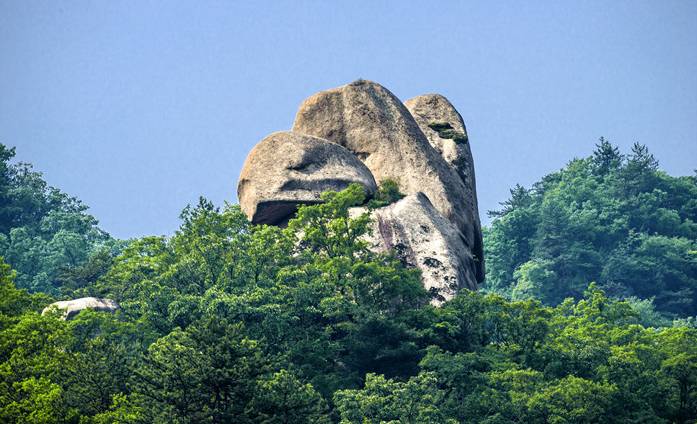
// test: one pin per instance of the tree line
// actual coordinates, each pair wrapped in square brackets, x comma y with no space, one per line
[611,218]
[231,322]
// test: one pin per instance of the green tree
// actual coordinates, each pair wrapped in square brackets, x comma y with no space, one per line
[382,400]
[43,231]
[206,373]
[573,400]
[226,321]
[283,399]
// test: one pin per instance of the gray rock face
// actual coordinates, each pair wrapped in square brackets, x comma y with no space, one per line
[371,122]
[421,237]
[446,131]
[71,308]
[360,133]
[287,169]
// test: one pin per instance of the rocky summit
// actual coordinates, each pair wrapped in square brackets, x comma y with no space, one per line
[362,133]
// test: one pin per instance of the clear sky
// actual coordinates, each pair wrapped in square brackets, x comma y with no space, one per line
[139,107]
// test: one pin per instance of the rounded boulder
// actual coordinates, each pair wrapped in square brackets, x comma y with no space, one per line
[288,169]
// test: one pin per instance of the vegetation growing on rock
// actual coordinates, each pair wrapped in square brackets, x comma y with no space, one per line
[445,130]
[440,126]
[388,193]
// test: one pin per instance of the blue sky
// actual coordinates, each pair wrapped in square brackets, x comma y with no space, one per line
[139,107]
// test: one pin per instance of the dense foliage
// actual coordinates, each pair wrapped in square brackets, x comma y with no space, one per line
[610,218]
[229,322]
[45,234]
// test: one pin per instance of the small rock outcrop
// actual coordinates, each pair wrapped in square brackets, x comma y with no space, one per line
[73,307]
[421,237]
[362,133]
[445,130]
[287,169]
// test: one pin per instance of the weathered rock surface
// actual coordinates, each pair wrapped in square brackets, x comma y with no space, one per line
[371,122]
[445,130]
[71,308]
[421,237]
[287,169]
[360,133]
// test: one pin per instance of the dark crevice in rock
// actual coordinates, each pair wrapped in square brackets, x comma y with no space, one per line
[277,211]
[317,186]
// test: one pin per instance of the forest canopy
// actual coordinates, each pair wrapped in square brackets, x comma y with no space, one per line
[226,321]
[45,234]
[612,218]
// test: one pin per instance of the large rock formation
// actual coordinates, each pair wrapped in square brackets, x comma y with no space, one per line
[421,237]
[71,308]
[287,169]
[445,130]
[361,133]
[371,122]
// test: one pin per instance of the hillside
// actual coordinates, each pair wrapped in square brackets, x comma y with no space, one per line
[229,321]
[612,218]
